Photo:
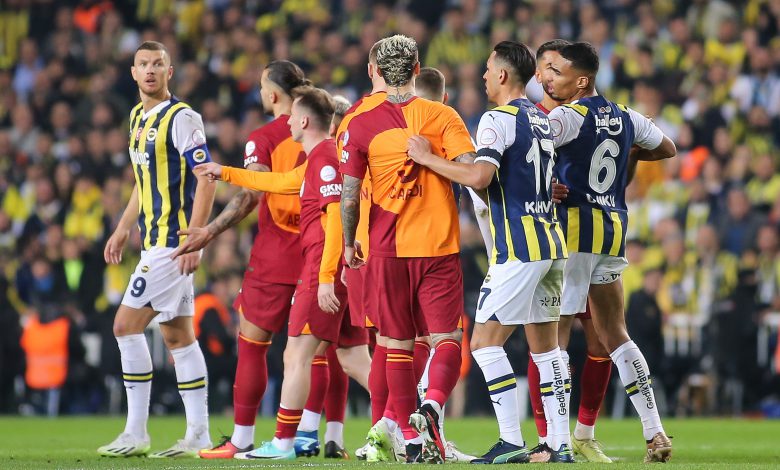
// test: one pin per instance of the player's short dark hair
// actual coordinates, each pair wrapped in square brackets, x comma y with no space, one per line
[553,45]
[396,58]
[318,102]
[153,46]
[429,84]
[518,57]
[583,56]
[287,75]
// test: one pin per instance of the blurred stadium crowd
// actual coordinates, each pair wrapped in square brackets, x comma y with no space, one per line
[704,279]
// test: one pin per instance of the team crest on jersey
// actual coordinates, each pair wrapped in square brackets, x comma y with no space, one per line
[250,147]
[138,133]
[199,156]
[328,173]
[345,138]
[151,135]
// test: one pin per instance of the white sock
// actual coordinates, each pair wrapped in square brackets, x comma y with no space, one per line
[242,436]
[283,444]
[310,421]
[502,387]
[422,386]
[391,424]
[565,358]
[137,375]
[334,431]
[554,378]
[192,378]
[441,423]
[584,432]
[635,376]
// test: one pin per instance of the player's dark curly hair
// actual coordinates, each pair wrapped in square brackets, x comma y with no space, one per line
[287,75]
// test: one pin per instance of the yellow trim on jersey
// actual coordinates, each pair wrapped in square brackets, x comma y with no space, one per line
[617,232]
[494,252]
[145,191]
[564,247]
[511,256]
[507,108]
[161,148]
[573,229]
[580,108]
[553,248]
[622,107]
[534,252]
[598,230]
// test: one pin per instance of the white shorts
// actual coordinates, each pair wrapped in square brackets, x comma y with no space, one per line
[518,293]
[157,283]
[584,269]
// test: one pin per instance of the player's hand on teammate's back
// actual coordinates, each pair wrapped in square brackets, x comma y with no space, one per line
[189,262]
[114,246]
[418,149]
[211,169]
[326,298]
[559,191]
[353,255]
[197,239]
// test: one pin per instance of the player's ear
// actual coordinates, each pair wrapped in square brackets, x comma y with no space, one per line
[370,71]
[446,97]
[304,122]
[583,82]
[170,71]
[273,97]
[417,68]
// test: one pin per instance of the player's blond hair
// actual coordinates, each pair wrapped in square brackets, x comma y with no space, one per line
[396,58]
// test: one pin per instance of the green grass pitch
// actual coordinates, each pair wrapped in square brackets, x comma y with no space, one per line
[70,443]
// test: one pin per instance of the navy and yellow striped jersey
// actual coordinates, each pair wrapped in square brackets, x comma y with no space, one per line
[165,144]
[593,138]
[517,139]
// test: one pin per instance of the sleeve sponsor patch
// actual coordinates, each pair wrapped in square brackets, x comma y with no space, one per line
[328,190]
[249,148]
[488,136]
[198,137]
[328,173]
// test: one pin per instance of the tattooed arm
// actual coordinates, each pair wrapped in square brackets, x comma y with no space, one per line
[350,216]
[240,205]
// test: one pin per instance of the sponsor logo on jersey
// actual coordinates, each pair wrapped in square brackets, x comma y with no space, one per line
[487,137]
[249,160]
[139,158]
[607,200]
[328,173]
[613,125]
[540,123]
[406,193]
[541,207]
[199,156]
[345,138]
[249,148]
[344,156]
[333,189]
[151,134]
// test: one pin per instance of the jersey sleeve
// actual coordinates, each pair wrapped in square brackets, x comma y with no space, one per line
[646,134]
[279,183]
[496,132]
[565,124]
[189,137]
[258,149]
[354,154]
[326,179]
[455,136]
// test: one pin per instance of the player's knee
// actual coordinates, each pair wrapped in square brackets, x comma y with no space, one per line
[124,327]
[456,335]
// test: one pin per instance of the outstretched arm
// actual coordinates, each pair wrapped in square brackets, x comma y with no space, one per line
[462,170]
[278,183]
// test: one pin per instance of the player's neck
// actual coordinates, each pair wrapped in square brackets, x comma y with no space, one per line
[150,101]
[282,110]
[548,103]
[507,95]
[583,94]
[313,139]
[400,94]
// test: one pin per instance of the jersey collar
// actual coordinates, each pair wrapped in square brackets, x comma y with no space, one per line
[156,109]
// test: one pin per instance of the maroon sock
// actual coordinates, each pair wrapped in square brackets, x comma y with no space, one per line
[377,383]
[336,398]
[402,388]
[251,380]
[320,378]
[287,422]
[593,386]
[536,398]
[444,371]
[422,351]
